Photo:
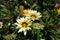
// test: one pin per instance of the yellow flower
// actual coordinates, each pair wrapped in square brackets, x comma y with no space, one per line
[25,12]
[58,10]
[34,15]
[38,26]
[23,24]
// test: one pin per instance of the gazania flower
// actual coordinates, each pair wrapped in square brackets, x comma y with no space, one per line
[23,24]
[34,15]
[25,12]
[38,26]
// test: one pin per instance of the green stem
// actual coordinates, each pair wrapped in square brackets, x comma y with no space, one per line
[38,34]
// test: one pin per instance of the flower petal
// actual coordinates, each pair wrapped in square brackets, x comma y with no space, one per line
[18,20]
[20,30]
[25,33]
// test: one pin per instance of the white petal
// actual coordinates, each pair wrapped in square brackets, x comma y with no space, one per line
[20,30]
[40,16]
[25,33]
[35,11]
[28,28]
[18,20]
[16,24]
[17,27]
[28,17]
[24,29]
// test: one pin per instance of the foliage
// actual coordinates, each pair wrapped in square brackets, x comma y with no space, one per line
[9,12]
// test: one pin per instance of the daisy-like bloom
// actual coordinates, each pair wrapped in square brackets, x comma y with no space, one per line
[23,24]
[1,24]
[34,15]
[38,26]
[25,12]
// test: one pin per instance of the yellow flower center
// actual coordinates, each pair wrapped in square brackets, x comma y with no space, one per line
[24,24]
[33,16]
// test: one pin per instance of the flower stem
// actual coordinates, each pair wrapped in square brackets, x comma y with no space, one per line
[38,34]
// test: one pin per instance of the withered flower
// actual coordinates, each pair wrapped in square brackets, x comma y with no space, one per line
[7,18]
[1,24]
[38,26]
[21,8]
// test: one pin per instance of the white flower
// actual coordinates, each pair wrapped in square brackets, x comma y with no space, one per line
[23,24]
[34,15]
[1,24]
